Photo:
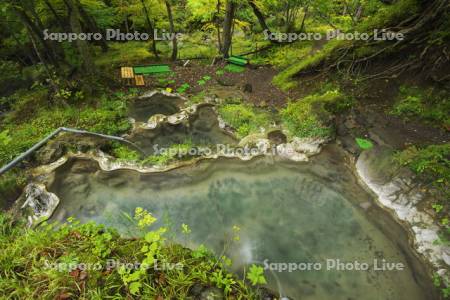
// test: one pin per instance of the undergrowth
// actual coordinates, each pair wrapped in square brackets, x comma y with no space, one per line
[426,104]
[244,118]
[90,261]
[311,116]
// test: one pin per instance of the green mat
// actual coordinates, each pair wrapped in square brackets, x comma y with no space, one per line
[237,60]
[151,69]
[364,144]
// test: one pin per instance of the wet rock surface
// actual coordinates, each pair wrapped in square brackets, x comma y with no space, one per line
[398,191]
[40,202]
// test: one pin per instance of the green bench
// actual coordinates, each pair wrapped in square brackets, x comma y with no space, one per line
[237,60]
[151,69]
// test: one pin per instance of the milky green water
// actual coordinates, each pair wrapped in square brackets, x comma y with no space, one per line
[287,212]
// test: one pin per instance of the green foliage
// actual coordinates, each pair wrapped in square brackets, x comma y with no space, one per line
[11,185]
[311,116]
[283,57]
[124,153]
[234,68]
[256,275]
[427,104]
[183,88]
[244,118]
[284,79]
[432,164]
[10,75]
[432,161]
[57,261]
[443,283]
[108,117]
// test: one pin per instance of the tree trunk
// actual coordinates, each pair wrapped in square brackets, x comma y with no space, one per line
[37,34]
[150,28]
[55,15]
[172,31]
[261,19]
[219,40]
[305,14]
[227,27]
[82,46]
[41,58]
[92,25]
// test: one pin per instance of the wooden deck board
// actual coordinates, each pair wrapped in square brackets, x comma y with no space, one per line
[127,72]
[139,80]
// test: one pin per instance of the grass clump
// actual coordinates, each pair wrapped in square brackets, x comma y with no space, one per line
[244,118]
[108,116]
[11,185]
[311,116]
[74,260]
[428,105]
[234,68]
[124,153]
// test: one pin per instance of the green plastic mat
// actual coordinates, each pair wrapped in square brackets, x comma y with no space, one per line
[364,144]
[238,60]
[151,69]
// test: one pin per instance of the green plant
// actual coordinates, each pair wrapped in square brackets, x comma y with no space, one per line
[183,88]
[256,275]
[244,118]
[124,153]
[427,104]
[222,280]
[234,68]
[311,116]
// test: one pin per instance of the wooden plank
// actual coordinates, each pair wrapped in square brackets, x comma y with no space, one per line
[127,72]
[139,80]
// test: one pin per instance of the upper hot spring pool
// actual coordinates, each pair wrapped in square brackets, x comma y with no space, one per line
[288,213]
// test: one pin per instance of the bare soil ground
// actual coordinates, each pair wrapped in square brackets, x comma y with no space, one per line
[258,79]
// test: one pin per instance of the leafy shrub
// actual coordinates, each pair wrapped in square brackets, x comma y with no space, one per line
[70,260]
[427,104]
[244,118]
[432,161]
[124,153]
[311,116]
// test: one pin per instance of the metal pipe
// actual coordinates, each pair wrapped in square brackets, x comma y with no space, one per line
[38,145]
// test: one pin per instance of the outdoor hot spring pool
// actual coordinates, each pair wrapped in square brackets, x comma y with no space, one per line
[288,213]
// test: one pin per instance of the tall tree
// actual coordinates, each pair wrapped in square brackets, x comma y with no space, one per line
[261,18]
[150,28]
[92,25]
[172,30]
[50,55]
[58,18]
[230,8]
[82,46]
